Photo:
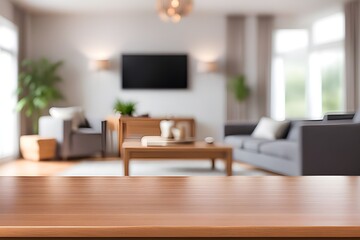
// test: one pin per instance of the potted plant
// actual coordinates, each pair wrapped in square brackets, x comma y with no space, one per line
[38,88]
[239,87]
[125,108]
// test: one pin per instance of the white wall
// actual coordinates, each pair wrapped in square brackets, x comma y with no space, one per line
[77,39]
[6,9]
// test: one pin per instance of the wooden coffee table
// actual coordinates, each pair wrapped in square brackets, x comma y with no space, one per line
[198,150]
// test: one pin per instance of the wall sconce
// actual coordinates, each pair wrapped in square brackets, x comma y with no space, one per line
[100,65]
[207,67]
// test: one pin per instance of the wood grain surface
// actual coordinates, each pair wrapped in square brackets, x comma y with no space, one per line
[134,128]
[179,207]
[198,145]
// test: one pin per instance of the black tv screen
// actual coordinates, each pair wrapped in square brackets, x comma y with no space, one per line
[154,71]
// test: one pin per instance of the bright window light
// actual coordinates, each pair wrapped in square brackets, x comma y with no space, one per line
[314,88]
[8,83]
[289,40]
[8,39]
[8,127]
[308,74]
[329,29]
[278,89]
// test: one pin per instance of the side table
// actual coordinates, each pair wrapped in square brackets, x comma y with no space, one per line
[34,147]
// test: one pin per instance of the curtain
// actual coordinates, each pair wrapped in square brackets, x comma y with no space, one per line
[264,53]
[20,20]
[351,54]
[235,52]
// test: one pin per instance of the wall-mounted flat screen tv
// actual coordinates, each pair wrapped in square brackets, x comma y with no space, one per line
[154,71]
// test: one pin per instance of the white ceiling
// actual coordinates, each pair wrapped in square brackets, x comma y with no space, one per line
[211,6]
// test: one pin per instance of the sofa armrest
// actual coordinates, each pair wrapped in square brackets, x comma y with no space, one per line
[103,137]
[330,149]
[59,129]
[239,128]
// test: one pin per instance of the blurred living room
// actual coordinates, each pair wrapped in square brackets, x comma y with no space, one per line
[254,100]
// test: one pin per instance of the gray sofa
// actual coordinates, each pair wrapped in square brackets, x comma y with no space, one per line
[327,147]
[83,142]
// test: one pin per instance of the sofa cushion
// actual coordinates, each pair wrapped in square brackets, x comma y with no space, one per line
[87,131]
[356,118]
[253,144]
[270,129]
[282,148]
[237,141]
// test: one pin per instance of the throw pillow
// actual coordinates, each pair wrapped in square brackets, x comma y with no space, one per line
[356,118]
[85,124]
[75,114]
[270,129]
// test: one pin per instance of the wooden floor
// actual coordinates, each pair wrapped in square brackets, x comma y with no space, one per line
[21,167]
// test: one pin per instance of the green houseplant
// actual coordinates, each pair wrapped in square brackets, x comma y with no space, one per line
[125,108]
[239,87]
[38,88]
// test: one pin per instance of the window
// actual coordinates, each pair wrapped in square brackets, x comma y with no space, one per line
[307,72]
[289,74]
[329,29]
[8,83]
[326,82]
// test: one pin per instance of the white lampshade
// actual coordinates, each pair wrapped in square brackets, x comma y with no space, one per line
[100,65]
[207,67]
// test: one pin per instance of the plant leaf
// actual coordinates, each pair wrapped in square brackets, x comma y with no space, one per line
[21,104]
[239,88]
[38,80]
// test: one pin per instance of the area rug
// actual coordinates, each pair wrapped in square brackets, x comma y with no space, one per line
[157,168]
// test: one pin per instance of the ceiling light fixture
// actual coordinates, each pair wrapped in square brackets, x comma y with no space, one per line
[174,10]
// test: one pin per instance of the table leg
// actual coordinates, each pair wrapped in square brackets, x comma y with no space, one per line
[126,160]
[111,141]
[213,164]
[229,163]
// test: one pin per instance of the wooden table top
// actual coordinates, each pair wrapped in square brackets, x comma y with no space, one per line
[192,146]
[179,206]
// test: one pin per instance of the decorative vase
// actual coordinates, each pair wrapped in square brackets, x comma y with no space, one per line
[165,128]
[179,133]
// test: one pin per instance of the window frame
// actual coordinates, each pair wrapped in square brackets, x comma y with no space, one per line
[312,48]
[295,54]
[14,54]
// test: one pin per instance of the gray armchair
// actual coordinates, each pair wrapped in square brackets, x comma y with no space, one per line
[71,143]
